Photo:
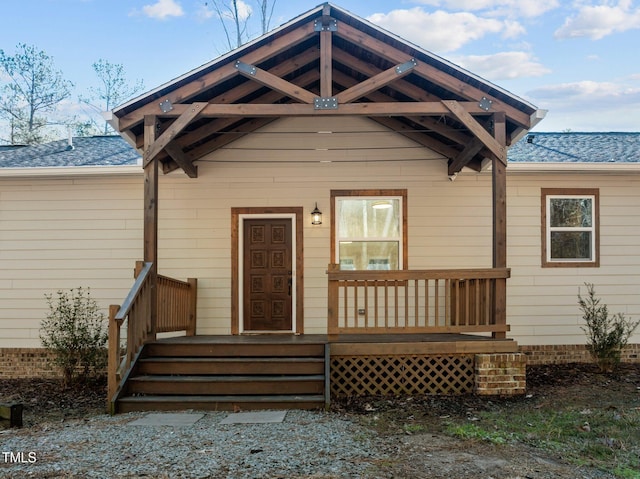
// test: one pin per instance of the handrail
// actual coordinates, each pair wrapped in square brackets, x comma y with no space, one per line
[176,311]
[416,301]
[129,301]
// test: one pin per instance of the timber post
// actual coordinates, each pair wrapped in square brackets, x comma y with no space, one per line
[151,172]
[332,309]
[499,189]
[113,361]
[193,306]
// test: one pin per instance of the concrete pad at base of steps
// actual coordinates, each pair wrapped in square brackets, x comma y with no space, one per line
[260,417]
[167,419]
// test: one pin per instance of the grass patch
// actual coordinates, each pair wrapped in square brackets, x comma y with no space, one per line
[608,439]
[473,431]
[413,428]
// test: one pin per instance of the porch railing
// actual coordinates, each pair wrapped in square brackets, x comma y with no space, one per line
[416,301]
[131,324]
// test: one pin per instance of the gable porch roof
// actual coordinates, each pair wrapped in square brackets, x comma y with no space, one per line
[327,61]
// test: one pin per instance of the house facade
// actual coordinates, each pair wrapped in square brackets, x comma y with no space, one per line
[424,229]
[67,226]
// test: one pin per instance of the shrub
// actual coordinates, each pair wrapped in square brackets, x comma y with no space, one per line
[606,335]
[76,332]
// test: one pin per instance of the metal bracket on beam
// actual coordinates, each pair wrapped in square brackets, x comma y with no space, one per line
[485,103]
[410,65]
[166,106]
[320,25]
[245,68]
[328,103]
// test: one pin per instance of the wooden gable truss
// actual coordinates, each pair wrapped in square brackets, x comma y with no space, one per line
[327,62]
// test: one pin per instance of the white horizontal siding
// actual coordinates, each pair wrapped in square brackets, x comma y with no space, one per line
[542,302]
[63,233]
[70,232]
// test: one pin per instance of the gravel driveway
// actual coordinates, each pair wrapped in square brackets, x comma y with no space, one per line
[306,444]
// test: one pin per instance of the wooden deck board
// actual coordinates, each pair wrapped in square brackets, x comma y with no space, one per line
[368,344]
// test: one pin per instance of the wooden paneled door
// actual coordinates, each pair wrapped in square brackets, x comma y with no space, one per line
[267,275]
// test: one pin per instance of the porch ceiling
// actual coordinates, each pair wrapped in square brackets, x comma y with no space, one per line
[326,62]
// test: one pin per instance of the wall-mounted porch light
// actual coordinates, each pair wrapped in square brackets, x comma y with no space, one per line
[316,216]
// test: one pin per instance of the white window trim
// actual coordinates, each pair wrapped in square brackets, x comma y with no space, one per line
[591,229]
[399,239]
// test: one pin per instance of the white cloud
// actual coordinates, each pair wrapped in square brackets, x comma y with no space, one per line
[163,9]
[505,65]
[513,29]
[503,8]
[598,21]
[441,31]
[590,95]
[204,12]
[589,105]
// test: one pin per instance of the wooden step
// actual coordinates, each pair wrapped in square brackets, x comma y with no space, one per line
[219,403]
[217,366]
[261,373]
[234,350]
[226,385]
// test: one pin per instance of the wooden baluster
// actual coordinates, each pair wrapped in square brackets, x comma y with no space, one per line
[416,303]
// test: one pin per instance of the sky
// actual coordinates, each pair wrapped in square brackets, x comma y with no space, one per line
[577,59]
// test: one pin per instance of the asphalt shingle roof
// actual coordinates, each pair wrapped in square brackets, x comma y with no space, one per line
[532,148]
[576,148]
[86,151]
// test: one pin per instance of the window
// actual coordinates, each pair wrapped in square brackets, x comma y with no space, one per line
[570,228]
[368,229]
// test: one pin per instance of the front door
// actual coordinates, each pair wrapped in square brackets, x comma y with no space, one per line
[267,275]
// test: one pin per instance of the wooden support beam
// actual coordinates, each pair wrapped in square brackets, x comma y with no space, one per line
[182,160]
[188,115]
[421,138]
[224,72]
[402,86]
[326,64]
[499,187]
[209,128]
[400,108]
[471,149]
[430,73]
[461,113]
[429,123]
[222,140]
[150,220]
[275,83]
[376,82]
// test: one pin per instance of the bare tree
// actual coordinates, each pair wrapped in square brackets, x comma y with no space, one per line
[113,90]
[266,14]
[34,88]
[234,16]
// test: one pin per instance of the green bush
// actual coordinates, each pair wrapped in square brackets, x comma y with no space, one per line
[76,332]
[606,335]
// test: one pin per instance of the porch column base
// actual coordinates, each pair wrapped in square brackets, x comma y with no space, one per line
[500,374]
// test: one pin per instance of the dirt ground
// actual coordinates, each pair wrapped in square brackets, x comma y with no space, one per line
[413,430]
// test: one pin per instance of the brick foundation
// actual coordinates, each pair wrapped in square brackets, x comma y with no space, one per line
[27,363]
[572,353]
[500,374]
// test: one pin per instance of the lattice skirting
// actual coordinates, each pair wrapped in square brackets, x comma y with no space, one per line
[401,375]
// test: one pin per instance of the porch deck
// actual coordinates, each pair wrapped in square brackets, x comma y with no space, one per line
[367,344]
[396,332]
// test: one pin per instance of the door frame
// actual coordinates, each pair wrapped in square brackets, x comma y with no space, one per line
[238,215]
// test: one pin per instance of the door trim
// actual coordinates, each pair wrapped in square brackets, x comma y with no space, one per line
[238,215]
